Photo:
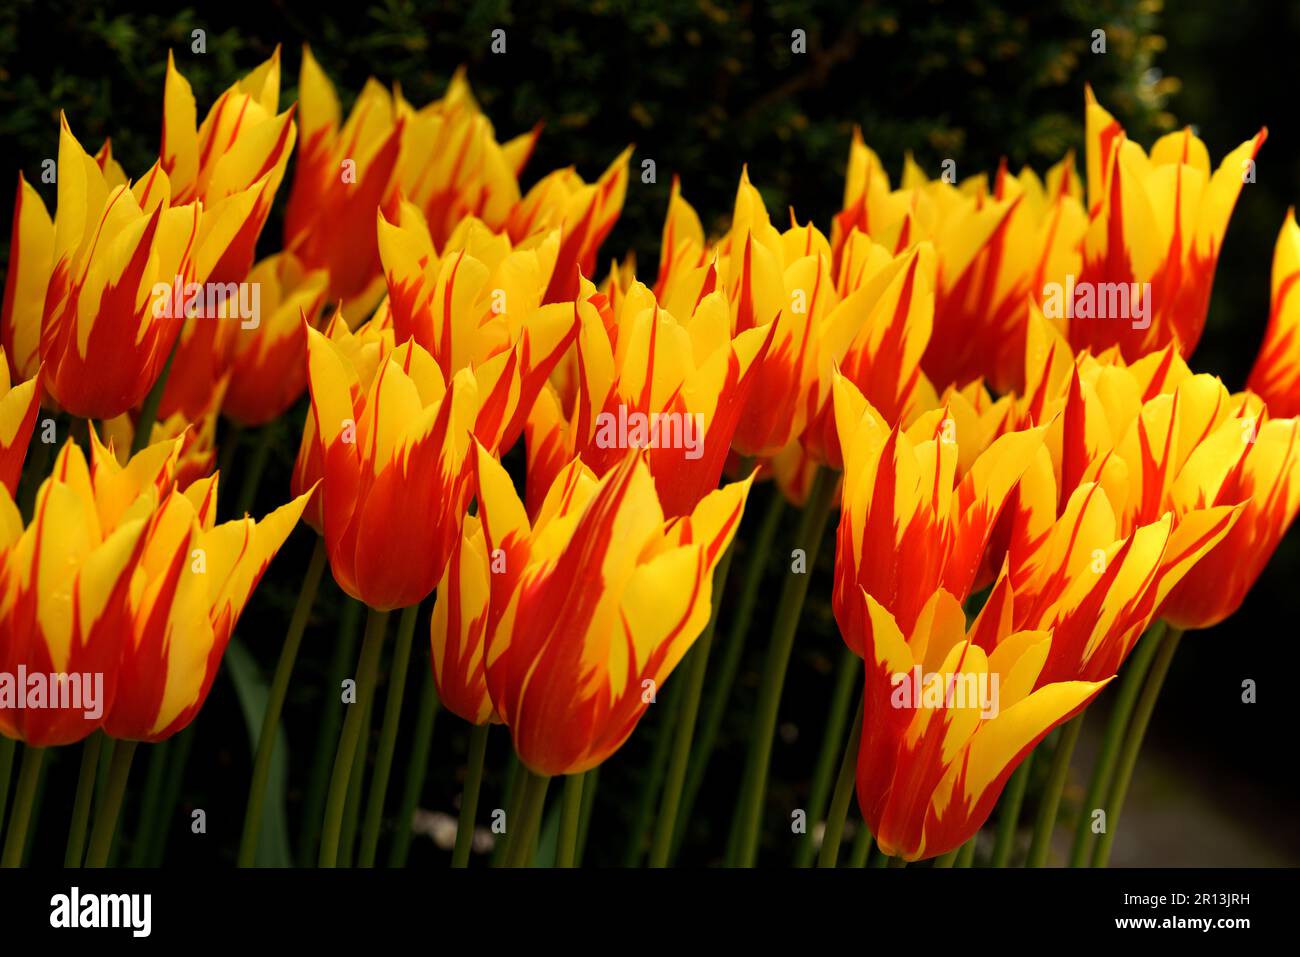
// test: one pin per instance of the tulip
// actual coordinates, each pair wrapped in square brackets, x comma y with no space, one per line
[934,756]
[65,600]
[777,282]
[1155,219]
[585,212]
[458,629]
[1276,375]
[18,407]
[1259,467]
[480,308]
[596,602]
[677,388]
[268,362]
[341,176]
[191,582]
[233,163]
[1098,589]
[101,337]
[993,256]
[197,454]
[993,248]
[31,260]
[365,350]
[393,480]
[875,338]
[443,157]
[907,526]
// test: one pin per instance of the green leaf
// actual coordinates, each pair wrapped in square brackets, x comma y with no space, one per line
[250,687]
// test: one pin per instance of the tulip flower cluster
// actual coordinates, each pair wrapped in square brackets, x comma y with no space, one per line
[990,380]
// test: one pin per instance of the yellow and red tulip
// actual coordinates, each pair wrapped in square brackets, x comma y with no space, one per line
[1157,219]
[197,451]
[443,157]
[342,175]
[79,292]
[190,584]
[233,163]
[993,249]
[1258,466]
[597,601]
[875,338]
[1097,588]
[392,466]
[459,628]
[683,385]
[365,349]
[479,308]
[268,362]
[18,407]
[584,212]
[65,600]
[908,526]
[1276,375]
[774,281]
[936,753]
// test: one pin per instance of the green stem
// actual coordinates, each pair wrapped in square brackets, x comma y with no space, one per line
[149,411]
[689,710]
[20,815]
[897,862]
[352,810]
[39,804]
[760,554]
[255,468]
[7,748]
[81,804]
[1133,742]
[532,804]
[588,801]
[655,771]
[844,785]
[341,778]
[416,768]
[566,852]
[105,763]
[749,807]
[862,844]
[949,859]
[516,781]
[388,735]
[275,705]
[1103,772]
[1050,802]
[966,855]
[879,859]
[101,838]
[832,741]
[177,758]
[147,822]
[229,447]
[478,740]
[313,808]
[1009,815]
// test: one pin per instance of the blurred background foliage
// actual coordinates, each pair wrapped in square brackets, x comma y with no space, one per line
[702,87]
